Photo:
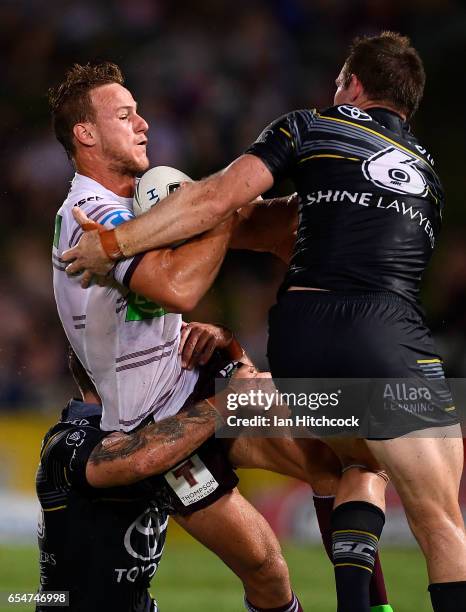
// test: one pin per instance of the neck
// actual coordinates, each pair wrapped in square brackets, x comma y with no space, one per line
[90,398]
[121,184]
[366,104]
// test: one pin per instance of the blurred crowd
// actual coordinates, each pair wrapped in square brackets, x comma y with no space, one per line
[208,76]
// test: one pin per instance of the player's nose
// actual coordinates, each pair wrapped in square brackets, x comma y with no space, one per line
[141,124]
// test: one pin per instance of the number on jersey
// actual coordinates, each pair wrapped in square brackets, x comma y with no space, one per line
[395,170]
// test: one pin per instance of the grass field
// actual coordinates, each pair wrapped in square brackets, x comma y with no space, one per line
[191,578]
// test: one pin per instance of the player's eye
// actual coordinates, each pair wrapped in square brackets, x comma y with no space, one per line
[124,117]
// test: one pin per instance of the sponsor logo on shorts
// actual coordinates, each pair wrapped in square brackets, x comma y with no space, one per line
[191,480]
[143,541]
[149,526]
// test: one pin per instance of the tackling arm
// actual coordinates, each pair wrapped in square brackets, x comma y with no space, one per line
[196,207]
[129,458]
[270,226]
[189,211]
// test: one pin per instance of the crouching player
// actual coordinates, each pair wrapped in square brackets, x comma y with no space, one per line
[102,527]
[105,511]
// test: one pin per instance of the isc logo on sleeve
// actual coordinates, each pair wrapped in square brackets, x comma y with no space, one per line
[191,480]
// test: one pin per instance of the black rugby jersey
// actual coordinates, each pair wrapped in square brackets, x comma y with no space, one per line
[101,545]
[371,202]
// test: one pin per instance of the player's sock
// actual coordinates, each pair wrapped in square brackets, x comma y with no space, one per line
[293,606]
[448,596]
[377,593]
[356,529]
[324,508]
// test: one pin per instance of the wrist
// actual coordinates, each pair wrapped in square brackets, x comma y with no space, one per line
[110,245]
[234,349]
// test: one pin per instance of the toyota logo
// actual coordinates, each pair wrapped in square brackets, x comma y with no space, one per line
[143,535]
[353,112]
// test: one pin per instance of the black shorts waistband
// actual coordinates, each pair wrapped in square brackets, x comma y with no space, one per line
[338,296]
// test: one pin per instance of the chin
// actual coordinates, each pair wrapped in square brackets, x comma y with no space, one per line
[135,167]
[144,165]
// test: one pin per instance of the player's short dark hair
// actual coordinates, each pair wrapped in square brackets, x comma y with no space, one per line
[80,376]
[70,101]
[389,69]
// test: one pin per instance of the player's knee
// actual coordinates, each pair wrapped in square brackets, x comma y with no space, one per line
[434,519]
[269,569]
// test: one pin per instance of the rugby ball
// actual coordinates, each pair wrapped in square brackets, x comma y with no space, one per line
[155,185]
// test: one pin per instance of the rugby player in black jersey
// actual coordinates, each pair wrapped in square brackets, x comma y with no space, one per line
[370,214]
[102,528]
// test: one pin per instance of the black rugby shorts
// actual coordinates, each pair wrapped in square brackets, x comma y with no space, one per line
[378,339]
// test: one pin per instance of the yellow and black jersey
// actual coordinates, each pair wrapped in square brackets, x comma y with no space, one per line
[371,201]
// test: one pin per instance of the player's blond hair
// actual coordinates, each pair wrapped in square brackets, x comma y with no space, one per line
[70,102]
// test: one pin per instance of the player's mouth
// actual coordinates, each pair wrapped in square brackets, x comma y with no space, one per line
[143,142]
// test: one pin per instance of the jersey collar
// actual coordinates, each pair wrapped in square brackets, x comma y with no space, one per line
[389,119]
[84,182]
[76,409]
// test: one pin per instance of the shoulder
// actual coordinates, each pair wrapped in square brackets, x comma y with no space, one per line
[99,204]
[290,125]
[63,439]
[298,118]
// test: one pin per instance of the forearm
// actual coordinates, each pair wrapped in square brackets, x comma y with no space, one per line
[189,211]
[270,226]
[196,207]
[151,450]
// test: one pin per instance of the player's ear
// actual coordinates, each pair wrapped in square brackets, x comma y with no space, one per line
[355,89]
[85,134]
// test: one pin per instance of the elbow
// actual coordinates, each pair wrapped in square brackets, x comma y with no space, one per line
[173,296]
[181,303]
[181,295]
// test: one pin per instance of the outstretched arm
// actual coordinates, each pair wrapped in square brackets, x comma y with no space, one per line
[189,211]
[123,459]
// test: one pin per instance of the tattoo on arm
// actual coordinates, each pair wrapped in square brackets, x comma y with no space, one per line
[168,430]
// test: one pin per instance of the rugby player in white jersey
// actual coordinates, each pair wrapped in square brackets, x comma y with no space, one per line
[129,345]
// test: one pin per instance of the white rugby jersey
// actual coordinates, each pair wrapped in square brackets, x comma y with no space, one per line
[128,344]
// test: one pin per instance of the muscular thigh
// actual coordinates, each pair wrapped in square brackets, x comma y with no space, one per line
[423,469]
[306,459]
[234,530]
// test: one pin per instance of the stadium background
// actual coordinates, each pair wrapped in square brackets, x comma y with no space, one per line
[207,76]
